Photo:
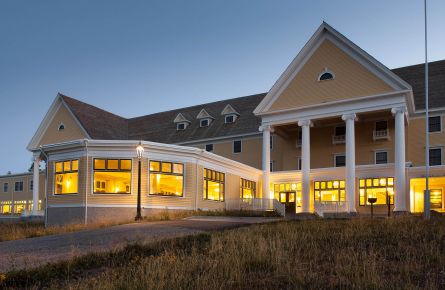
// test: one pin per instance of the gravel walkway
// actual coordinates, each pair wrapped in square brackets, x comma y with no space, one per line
[28,253]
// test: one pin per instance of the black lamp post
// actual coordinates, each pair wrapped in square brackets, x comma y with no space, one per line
[372,200]
[139,152]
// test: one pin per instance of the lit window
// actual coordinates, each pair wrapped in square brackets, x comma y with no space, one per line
[112,176]
[209,147]
[66,177]
[340,160]
[237,146]
[288,193]
[436,198]
[247,188]
[6,207]
[5,187]
[381,157]
[166,178]
[379,188]
[18,186]
[204,123]
[213,185]
[329,191]
[434,124]
[229,119]
[435,156]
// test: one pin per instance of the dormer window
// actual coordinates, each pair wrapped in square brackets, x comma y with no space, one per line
[204,123]
[61,127]
[181,126]
[181,122]
[229,119]
[326,75]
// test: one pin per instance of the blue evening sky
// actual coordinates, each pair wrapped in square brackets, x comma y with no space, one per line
[138,57]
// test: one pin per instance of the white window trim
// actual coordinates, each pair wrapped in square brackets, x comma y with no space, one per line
[204,119]
[335,159]
[441,154]
[149,184]
[23,185]
[233,146]
[181,123]
[229,115]
[441,126]
[380,151]
[326,70]
[298,162]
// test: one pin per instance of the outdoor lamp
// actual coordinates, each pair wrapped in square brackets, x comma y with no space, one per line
[139,152]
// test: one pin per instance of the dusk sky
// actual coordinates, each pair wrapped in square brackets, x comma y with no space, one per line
[138,57]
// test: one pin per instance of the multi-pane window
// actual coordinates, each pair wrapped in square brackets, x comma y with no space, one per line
[112,176]
[288,192]
[180,126]
[66,178]
[435,156]
[5,187]
[329,191]
[379,188]
[381,125]
[434,124]
[229,119]
[247,188]
[237,146]
[436,198]
[339,160]
[18,186]
[204,123]
[166,178]
[381,157]
[213,185]
[209,147]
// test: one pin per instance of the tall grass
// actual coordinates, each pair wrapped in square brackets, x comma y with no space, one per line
[403,253]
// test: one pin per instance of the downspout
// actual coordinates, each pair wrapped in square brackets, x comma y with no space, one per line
[46,185]
[86,182]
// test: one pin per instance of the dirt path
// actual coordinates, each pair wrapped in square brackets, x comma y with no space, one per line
[28,253]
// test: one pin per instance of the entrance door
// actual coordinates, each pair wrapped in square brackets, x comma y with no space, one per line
[288,199]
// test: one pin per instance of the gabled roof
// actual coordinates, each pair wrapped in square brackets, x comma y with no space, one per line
[98,123]
[325,31]
[229,110]
[203,114]
[415,76]
[180,119]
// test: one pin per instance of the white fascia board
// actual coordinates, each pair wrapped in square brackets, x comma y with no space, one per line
[334,109]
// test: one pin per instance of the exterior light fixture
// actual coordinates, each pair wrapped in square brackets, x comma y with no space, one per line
[372,200]
[139,152]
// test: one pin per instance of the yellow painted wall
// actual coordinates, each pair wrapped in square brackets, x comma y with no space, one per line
[351,80]
[72,130]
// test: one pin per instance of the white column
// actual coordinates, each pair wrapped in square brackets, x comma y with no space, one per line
[350,160]
[399,160]
[305,165]
[35,186]
[266,160]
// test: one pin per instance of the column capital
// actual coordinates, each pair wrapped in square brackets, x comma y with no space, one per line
[303,123]
[398,110]
[266,127]
[351,116]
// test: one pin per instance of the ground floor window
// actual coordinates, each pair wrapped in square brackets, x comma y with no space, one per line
[381,188]
[329,191]
[247,188]
[213,185]
[112,176]
[417,188]
[66,177]
[288,193]
[166,178]
[6,207]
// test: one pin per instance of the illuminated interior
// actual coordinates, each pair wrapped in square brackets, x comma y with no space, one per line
[112,176]
[247,188]
[213,185]
[166,178]
[329,191]
[6,207]
[437,188]
[288,192]
[66,178]
[381,188]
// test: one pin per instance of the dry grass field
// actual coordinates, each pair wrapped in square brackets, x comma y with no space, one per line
[401,253]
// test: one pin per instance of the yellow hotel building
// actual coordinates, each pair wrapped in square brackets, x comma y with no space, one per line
[337,128]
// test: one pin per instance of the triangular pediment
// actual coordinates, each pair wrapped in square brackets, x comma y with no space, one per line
[180,119]
[330,68]
[228,109]
[203,114]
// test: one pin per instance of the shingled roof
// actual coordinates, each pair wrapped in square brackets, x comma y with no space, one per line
[159,127]
[415,76]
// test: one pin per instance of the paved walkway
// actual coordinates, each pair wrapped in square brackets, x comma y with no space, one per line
[28,253]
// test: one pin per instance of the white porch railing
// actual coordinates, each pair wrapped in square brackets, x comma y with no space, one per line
[322,207]
[256,204]
[380,134]
[338,139]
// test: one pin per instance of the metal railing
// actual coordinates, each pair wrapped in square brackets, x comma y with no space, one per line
[322,207]
[380,134]
[338,139]
[256,204]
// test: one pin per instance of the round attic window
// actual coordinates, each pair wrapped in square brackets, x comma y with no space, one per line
[326,75]
[61,127]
